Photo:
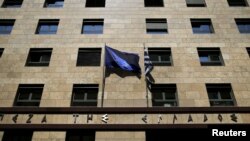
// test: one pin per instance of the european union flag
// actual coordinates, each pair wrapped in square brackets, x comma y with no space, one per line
[123,60]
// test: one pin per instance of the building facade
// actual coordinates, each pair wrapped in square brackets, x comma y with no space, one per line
[54,84]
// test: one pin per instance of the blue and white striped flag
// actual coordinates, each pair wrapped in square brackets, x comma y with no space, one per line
[148,64]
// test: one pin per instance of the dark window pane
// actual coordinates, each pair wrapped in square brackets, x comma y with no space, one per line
[156,26]
[237,2]
[164,95]
[47,27]
[1,52]
[84,95]
[220,95]
[29,95]
[6,26]
[92,27]
[160,56]
[195,3]
[12,3]
[89,57]
[39,57]
[210,57]
[95,3]
[17,135]
[153,3]
[54,3]
[202,26]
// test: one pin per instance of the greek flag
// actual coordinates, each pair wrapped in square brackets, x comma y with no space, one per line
[148,64]
[123,60]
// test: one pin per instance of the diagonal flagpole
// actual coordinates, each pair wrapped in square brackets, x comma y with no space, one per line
[103,76]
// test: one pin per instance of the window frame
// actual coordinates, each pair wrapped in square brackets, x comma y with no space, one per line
[147,4]
[210,52]
[196,4]
[220,100]
[23,89]
[84,88]
[202,22]
[47,22]
[93,23]
[164,89]
[48,5]
[38,52]
[156,30]
[240,21]
[242,3]
[82,51]
[5,24]
[161,50]
[12,4]
[88,4]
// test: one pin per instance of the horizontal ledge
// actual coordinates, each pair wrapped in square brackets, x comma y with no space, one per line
[116,127]
[121,110]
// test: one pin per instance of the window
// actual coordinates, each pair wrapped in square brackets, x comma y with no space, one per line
[47,27]
[248,51]
[153,3]
[84,95]
[156,26]
[12,3]
[92,26]
[80,135]
[17,135]
[210,57]
[196,3]
[29,95]
[95,3]
[160,56]
[243,25]
[39,57]
[202,26]
[164,95]
[1,52]
[53,3]
[237,3]
[220,95]
[89,57]
[6,26]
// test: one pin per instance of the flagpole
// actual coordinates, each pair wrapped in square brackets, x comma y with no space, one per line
[103,75]
[145,77]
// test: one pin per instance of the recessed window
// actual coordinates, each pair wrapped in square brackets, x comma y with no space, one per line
[220,95]
[92,26]
[154,3]
[156,26]
[1,52]
[241,3]
[95,3]
[210,57]
[196,3]
[84,95]
[39,57]
[29,95]
[243,25]
[53,3]
[160,56]
[17,135]
[80,135]
[202,26]
[248,51]
[47,27]
[89,57]
[12,3]
[164,95]
[6,26]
